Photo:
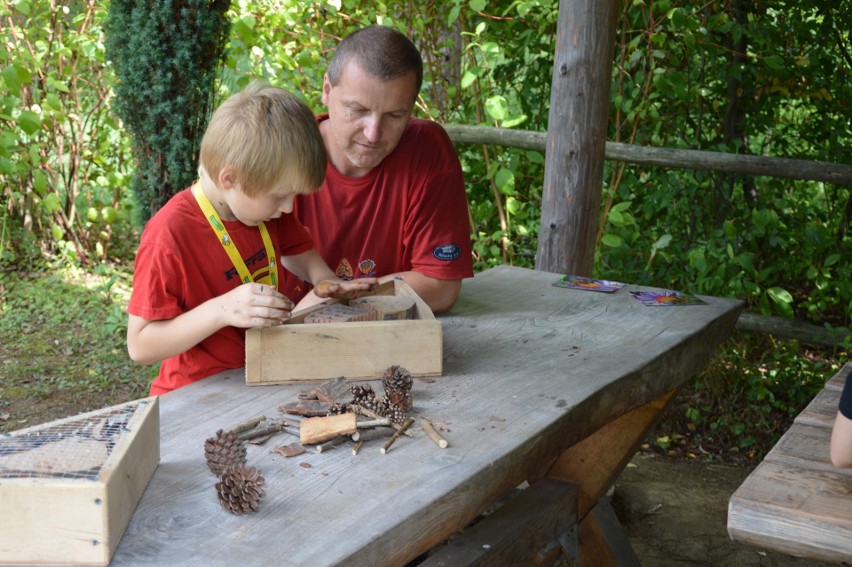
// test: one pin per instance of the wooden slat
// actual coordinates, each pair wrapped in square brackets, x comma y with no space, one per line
[524,531]
[796,501]
[801,512]
[602,541]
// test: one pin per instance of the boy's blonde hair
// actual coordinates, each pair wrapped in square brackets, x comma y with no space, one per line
[269,137]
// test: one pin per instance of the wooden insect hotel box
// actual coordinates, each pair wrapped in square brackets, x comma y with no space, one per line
[69,487]
[401,331]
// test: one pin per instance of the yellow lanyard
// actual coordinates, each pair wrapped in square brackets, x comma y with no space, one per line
[231,248]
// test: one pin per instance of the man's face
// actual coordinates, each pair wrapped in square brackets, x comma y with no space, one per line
[367,117]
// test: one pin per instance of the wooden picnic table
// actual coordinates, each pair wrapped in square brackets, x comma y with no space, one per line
[795,501]
[540,384]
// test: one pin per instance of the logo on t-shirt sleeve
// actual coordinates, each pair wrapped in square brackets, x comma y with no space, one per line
[447,252]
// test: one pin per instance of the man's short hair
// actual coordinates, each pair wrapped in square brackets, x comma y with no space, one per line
[383,52]
[269,137]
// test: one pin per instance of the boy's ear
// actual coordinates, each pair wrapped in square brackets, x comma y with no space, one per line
[227,178]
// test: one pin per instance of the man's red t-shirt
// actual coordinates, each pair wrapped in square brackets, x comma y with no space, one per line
[408,213]
[181,264]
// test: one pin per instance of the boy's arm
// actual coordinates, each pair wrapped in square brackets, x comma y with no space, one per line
[841,441]
[247,306]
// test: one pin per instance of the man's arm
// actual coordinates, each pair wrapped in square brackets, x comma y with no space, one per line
[841,441]
[439,295]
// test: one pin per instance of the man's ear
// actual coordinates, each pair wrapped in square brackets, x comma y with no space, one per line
[228,178]
[326,89]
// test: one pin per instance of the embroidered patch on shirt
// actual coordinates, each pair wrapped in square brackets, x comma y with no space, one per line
[447,252]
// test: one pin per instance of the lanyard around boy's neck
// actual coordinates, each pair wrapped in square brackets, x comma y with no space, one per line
[228,244]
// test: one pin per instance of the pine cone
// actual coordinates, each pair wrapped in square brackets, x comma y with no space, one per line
[223,451]
[361,393]
[240,489]
[338,408]
[397,383]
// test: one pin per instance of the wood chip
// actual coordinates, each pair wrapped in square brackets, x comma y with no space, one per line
[291,450]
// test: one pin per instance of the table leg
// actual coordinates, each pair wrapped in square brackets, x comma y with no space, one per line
[593,464]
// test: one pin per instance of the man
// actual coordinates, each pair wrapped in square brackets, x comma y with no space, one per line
[393,201]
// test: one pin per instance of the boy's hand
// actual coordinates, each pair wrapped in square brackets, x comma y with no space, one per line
[342,289]
[256,305]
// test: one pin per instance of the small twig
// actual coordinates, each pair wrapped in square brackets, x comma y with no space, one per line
[402,429]
[331,444]
[369,413]
[357,447]
[367,424]
[433,435]
[246,425]
[261,431]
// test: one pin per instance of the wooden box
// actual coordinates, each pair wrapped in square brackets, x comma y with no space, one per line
[295,352]
[69,487]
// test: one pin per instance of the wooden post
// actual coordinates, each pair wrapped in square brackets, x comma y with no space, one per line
[576,135]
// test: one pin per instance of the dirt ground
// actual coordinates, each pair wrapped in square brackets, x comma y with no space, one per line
[675,514]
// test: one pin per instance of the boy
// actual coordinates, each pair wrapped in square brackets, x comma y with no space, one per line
[207,265]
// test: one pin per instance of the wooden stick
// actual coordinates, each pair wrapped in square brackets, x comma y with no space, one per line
[331,444]
[260,431]
[433,435]
[357,447]
[402,429]
[379,422]
[246,425]
[369,413]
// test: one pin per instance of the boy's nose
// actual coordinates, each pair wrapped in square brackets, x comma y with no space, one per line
[287,205]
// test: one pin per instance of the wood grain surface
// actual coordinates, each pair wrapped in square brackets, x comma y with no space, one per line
[796,501]
[529,370]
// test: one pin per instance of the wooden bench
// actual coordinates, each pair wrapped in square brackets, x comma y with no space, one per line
[796,501]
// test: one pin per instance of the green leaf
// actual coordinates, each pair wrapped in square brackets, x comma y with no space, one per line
[497,107]
[774,62]
[831,260]
[505,180]
[467,79]
[29,122]
[51,203]
[39,182]
[478,5]
[663,242]
[611,240]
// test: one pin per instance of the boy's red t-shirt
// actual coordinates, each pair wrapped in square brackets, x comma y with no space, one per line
[180,265]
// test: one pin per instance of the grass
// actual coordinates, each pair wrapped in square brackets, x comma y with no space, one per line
[62,345]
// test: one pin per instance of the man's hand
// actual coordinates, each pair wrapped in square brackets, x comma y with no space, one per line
[342,289]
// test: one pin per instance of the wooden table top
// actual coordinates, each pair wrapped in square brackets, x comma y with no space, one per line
[529,370]
[796,501]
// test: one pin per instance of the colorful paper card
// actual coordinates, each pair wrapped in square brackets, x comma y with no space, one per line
[665,298]
[588,284]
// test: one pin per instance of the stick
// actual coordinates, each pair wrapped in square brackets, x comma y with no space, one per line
[330,444]
[357,447]
[246,425]
[364,411]
[433,435]
[380,422]
[260,431]
[402,429]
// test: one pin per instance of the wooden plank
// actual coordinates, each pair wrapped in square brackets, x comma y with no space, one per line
[595,470]
[796,501]
[602,540]
[529,370]
[524,531]
[798,511]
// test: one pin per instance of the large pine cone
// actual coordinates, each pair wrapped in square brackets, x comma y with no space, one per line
[397,383]
[223,451]
[361,393]
[240,489]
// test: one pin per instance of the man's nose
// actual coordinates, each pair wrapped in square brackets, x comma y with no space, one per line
[373,128]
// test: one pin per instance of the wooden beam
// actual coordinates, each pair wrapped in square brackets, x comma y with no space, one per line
[785,168]
[577,125]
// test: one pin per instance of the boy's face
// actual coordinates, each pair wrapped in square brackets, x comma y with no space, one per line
[367,117]
[269,205]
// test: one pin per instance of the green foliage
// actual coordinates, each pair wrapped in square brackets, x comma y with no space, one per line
[62,156]
[165,56]
[64,329]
